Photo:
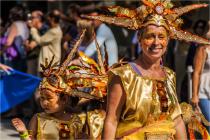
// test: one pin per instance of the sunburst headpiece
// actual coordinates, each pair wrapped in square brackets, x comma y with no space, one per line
[156,12]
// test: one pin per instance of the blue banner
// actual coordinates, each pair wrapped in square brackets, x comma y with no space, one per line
[15,88]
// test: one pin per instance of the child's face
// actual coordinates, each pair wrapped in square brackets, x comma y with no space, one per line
[50,101]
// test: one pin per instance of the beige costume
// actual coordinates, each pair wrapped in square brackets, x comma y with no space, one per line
[50,42]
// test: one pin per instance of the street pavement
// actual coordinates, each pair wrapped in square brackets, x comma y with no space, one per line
[7,131]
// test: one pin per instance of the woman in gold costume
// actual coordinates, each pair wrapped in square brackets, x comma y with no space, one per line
[142,98]
[142,101]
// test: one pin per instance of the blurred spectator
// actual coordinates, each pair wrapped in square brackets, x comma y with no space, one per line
[71,32]
[36,19]
[135,47]
[176,58]
[199,29]
[1,28]
[50,42]
[106,41]
[201,79]
[88,38]
[73,17]
[17,32]
[123,38]
[12,46]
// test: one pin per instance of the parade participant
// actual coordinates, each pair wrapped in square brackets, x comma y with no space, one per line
[142,101]
[58,82]
[44,125]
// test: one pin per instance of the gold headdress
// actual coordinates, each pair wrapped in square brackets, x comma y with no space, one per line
[157,12]
[70,78]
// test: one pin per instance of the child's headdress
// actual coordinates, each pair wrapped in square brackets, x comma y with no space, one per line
[72,79]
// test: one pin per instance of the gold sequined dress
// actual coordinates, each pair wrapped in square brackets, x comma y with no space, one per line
[151,105]
[79,126]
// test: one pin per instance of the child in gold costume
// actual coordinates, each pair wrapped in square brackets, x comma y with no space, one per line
[58,85]
[142,102]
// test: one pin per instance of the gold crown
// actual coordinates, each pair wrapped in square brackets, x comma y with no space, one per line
[156,12]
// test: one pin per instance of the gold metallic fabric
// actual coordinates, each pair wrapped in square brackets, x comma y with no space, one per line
[69,77]
[140,106]
[90,125]
[95,121]
[49,127]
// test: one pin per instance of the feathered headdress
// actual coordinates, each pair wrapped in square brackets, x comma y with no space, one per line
[156,12]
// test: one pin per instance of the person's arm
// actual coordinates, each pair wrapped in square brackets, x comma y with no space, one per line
[12,34]
[115,101]
[47,38]
[21,128]
[199,60]
[5,67]
[30,45]
[180,129]
[33,126]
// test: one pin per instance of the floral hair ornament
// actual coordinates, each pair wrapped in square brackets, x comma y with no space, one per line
[156,12]
[72,79]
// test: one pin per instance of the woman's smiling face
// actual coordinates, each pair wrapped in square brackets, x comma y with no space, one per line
[154,40]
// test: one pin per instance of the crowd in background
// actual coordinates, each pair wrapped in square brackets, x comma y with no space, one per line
[28,38]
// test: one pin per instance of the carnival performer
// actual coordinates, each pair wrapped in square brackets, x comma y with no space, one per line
[59,83]
[142,101]
[45,125]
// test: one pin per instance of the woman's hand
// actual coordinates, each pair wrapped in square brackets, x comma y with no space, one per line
[195,101]
[30,45]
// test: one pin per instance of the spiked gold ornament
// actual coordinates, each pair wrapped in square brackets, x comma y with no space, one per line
[156,12]
[69,78]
